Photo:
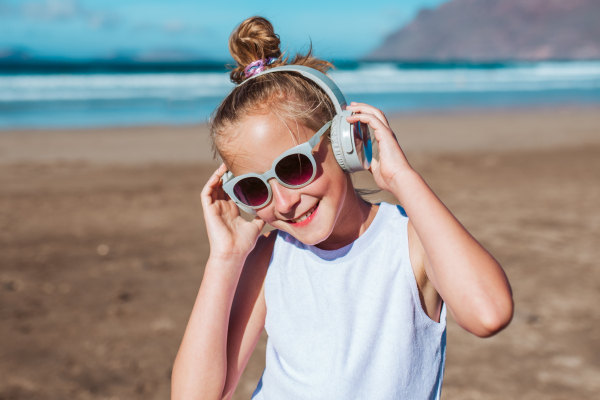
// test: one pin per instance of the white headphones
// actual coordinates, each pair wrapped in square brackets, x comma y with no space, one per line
[351,143]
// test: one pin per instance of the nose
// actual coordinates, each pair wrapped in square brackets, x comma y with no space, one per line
[285,199]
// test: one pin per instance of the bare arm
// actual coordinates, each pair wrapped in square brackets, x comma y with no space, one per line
[465,275]
[248,313]
[229,311]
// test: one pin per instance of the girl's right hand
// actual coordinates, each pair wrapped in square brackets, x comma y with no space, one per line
[231,237]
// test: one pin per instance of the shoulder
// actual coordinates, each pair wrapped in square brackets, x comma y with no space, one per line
[391,217]
[399,220]
[392,211]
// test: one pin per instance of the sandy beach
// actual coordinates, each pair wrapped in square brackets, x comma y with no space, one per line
[103,245]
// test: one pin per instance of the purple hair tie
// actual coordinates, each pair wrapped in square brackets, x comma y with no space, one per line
[257,66]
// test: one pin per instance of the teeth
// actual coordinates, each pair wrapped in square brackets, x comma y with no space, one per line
[303,217]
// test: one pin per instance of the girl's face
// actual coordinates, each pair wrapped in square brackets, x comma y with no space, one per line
[258,141]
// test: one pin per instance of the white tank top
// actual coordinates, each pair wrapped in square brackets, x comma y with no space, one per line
[348,323]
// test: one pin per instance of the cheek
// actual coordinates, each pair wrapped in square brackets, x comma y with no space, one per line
[334,181]
[330,181]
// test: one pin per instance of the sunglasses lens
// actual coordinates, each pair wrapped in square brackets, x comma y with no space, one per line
[294,170]
[251,191]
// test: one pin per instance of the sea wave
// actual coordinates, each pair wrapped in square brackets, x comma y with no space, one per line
[386,78]
[170,86]
[369,78]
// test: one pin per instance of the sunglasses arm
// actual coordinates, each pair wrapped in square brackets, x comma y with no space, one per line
[317,136]
[227,176]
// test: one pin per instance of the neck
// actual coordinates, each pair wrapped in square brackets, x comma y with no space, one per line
[354,219]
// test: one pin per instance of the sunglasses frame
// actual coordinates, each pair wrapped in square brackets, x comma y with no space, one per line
[229,181]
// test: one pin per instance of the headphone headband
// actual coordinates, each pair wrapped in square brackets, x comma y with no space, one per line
[324,82]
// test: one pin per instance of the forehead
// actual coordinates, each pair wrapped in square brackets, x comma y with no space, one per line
[255,143]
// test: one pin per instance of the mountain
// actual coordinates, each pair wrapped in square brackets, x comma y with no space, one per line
[498,30]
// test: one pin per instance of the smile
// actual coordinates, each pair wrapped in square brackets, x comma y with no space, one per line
[304,218]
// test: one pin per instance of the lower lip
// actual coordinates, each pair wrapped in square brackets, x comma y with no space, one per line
[307,220]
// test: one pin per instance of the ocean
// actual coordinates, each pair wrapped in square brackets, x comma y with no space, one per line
[55,98]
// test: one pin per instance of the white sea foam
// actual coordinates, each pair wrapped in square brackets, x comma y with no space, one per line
[386,78]
[169,86]
[368,78]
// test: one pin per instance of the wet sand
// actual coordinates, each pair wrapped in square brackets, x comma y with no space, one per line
[102,249]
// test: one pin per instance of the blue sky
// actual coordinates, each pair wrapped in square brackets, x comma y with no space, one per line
[149,28]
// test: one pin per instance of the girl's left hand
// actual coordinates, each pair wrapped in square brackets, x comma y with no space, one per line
[392,161]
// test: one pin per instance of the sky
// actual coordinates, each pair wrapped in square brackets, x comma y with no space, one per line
[79,29]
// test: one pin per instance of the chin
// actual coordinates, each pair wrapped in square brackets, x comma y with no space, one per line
[312,238]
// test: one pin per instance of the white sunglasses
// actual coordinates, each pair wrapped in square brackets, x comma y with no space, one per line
[294,169]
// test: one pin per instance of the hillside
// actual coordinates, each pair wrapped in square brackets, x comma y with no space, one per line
[498,30]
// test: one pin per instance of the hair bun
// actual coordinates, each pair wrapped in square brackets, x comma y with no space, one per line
[254,39]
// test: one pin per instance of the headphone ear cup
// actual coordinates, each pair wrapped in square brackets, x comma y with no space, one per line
[336,141]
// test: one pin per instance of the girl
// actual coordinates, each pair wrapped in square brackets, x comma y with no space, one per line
[353,295]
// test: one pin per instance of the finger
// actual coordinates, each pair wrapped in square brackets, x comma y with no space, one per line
[368,109]
[380,130]
[216,176]
[374,165]
[212,188]
[221,170]
[218,193]
[260,224]
[210,185]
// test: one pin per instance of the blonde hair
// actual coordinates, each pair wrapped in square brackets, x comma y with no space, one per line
[287,95]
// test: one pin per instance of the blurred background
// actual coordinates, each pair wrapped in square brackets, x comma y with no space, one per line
[104,150]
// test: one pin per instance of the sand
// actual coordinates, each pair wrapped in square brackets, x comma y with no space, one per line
[445,132]
[102,249]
